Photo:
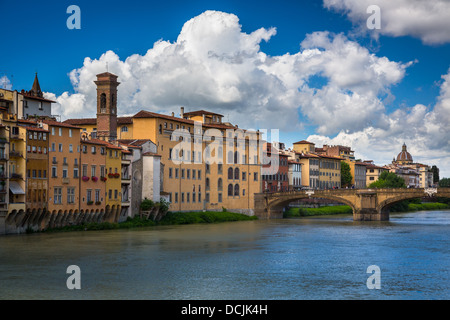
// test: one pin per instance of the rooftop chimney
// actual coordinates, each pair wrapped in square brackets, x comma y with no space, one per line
[182,113]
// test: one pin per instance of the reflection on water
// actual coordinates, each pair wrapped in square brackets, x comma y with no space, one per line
[308,258]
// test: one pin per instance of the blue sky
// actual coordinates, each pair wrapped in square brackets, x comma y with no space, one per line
[39,41]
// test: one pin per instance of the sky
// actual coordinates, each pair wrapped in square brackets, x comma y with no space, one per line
[313,70]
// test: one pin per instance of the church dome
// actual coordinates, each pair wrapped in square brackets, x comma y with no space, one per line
[404,156]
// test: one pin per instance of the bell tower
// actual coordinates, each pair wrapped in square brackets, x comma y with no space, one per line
[107,106]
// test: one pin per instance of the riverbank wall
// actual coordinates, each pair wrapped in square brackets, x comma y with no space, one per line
[35,221]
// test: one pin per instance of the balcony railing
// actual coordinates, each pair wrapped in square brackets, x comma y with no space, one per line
[15,176]
[15,154]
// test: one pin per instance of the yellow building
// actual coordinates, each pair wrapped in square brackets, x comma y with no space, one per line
[329,172]
[373,172]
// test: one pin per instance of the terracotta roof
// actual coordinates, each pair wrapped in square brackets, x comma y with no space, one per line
[134,142]
[36,129]
[303,142]
[81,121]
[60,124]
[101,142]
[93,121]
[148,114]
[201,112]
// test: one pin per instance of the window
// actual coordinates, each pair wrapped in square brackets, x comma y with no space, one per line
[115,194]
[255,176]
[97,195]
[230,190]
[64,173]
[176,197]
[93,150]
[102,150]
[53,147]
[60,147]
[70,195]
[170,172]
[199,175]
[176,173]
[75,172]
[60,132]
[236,190]
[70,148]
[53,131]
[44,136]
[54,172]
[57,195]
[124,129]
[84,170]
[207,184]
[230,173]
[219,184]
[89,195]
[93,169]
[110,194]
[236,173]
[220,197]
[244,175]
[207,198]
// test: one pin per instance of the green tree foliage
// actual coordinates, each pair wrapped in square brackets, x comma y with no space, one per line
[435,171]
[444,182]
[346,175]
[388,180]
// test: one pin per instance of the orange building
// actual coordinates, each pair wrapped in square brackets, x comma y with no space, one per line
[63,167]
[93,177]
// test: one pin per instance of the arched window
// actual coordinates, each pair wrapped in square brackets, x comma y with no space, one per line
[207,184]
[103,103]
[124,129]
[236,174]
[236,190]
[219,184]
[230,173]
[230,190]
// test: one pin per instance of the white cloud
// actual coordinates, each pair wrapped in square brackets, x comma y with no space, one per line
[423,19]
[424,130]
[214,65]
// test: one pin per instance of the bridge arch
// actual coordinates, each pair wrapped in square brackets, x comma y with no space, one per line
[271,205]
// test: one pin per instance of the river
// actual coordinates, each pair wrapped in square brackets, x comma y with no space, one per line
[307,258]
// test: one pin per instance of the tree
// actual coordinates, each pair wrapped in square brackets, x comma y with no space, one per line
[346,175]
[388,180]
[444,182]
[435,171]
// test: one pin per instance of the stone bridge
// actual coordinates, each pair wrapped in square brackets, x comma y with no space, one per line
[367,204]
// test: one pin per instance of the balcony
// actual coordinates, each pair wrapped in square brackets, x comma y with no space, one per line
[17,136]
[15,154]
[126,179]
[15,176]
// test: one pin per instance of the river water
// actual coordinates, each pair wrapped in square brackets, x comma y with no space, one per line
[291,259]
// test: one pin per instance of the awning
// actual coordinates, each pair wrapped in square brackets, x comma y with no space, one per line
[15,188]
